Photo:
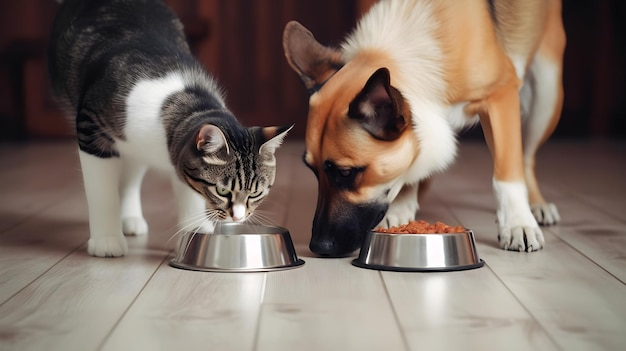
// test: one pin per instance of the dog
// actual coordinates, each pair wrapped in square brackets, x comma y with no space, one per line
[386,107]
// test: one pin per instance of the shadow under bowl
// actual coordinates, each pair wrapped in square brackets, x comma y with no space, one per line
[237,247]
[419,252]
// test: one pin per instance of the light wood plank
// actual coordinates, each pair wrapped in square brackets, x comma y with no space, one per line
[327,305]
[595,234]
[31,248]
[76,303]
[181,309]
[462,310]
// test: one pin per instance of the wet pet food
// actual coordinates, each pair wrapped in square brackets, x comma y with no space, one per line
[422,227]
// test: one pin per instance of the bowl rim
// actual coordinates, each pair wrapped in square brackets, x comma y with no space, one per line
[377,267]
[275,229]
[190,267]
[466,232]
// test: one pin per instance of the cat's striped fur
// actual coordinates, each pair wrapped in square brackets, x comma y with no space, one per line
[123,70]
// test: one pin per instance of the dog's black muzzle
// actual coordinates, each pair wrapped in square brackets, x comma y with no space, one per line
[340,229]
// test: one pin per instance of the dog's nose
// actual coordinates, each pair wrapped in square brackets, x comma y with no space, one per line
[340,233]
[331,240]
[329,250]
[324,248]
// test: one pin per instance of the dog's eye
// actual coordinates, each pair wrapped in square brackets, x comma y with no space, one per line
[342,177]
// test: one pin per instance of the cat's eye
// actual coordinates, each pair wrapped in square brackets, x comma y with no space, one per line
[256,193]
[222,191]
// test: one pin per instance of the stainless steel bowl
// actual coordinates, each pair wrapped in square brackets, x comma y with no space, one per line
[237,247]
[419,252]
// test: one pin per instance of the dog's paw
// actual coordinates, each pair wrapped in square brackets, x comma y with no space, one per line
[402,209]
[521,238]
[134,226]
[107,246]
[397,215]
[545,213]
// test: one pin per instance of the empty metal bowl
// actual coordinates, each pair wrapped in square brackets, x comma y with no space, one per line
[237,247]
[419,252]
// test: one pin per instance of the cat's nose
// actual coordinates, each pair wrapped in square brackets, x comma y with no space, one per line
[237,218]
[238,212]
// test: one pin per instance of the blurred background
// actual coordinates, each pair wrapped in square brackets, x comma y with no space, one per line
[239,42]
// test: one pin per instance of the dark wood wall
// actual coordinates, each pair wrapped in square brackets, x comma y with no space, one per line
[239,41]
[244,51]
[594,69]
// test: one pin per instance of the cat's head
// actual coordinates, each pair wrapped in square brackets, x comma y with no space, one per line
[233,169]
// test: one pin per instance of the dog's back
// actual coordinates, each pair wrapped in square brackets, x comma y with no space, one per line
[465,36]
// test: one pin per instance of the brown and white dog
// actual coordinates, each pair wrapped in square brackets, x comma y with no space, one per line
[384,110]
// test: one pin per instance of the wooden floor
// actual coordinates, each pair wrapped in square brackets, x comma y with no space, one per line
[569,296]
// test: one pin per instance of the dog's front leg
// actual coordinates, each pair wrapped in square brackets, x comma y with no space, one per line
[403,208]
[500,119]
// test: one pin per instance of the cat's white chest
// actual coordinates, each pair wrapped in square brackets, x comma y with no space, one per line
[145,134]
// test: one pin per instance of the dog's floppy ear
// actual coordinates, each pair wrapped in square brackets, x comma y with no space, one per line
[314,62]
[379,107]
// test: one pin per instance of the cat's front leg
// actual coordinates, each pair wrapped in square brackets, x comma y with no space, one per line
[133,222]
[101,179]
[191,209]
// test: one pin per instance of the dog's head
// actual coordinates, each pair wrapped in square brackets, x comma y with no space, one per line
[359,140]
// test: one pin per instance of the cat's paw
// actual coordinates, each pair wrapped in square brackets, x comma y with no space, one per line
[545,213]
[107,246]
[134,226]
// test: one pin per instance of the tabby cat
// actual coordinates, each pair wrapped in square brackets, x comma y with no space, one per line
[124,71]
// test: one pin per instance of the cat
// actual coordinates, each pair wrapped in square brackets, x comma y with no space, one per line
[124,71]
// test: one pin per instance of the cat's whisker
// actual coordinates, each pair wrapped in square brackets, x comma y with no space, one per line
[270,203]
[262,217]
[188,224]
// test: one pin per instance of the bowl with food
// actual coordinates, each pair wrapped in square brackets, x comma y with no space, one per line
[419,246]
[237,247]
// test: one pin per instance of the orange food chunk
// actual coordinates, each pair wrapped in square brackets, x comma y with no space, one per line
[422,227]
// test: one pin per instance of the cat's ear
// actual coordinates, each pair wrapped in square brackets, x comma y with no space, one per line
[273,137]
[211,139]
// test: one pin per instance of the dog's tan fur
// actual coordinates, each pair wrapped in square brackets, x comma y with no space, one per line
[483,57]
